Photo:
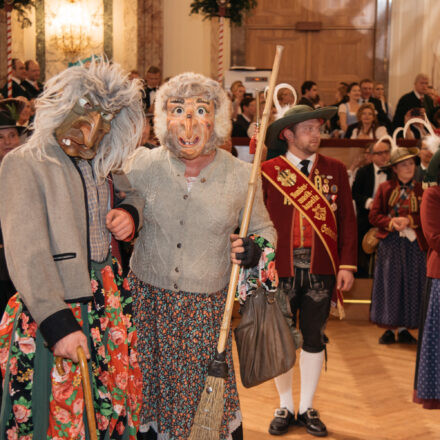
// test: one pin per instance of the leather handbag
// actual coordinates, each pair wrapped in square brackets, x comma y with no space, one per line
[264,341]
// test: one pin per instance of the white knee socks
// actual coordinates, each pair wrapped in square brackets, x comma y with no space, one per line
[284,388]
[310,366]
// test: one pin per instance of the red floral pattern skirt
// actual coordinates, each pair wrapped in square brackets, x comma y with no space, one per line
[40,403]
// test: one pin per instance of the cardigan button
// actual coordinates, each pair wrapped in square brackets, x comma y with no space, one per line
[176,269]
[181,222]
[176,286]
[203,180]
[185,196]
[179,245]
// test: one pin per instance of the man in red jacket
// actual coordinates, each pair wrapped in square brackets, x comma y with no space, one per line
[309,200]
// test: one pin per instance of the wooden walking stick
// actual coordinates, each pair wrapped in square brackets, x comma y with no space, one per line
[82,360]
[209,413]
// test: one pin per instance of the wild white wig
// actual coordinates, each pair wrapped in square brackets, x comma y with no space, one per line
[188,85]
[109,85]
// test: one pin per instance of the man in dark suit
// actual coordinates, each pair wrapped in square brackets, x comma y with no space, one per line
[31,83]
[248,109]
[152,82]
[18,76]
[416,99]
[366,86]
[309,91]
[425,155]
[366,183]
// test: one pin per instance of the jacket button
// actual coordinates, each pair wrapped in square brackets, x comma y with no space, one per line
[203,180]
[179,245]
[185,196]
[176,286]
[176,269]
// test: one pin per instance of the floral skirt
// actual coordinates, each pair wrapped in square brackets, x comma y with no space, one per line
[41,403]
[177,338]
[399,282]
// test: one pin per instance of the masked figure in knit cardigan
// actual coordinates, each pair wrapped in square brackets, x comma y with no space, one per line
[61,209]
[195,194]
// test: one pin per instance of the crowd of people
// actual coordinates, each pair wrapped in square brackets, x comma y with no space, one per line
[113,166]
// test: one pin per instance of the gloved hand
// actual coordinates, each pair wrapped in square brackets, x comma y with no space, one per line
[244,251]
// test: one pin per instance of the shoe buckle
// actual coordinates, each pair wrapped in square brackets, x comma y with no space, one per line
[281,412]
[312,413]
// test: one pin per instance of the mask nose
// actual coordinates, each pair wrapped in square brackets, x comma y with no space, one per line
[90,131]
[189,125]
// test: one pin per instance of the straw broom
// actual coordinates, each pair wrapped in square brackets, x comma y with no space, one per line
[86,388]
[209,413]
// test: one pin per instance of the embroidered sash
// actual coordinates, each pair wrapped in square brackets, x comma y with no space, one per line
[298,189]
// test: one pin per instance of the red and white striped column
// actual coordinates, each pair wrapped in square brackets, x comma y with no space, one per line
[221,30]
[9,49]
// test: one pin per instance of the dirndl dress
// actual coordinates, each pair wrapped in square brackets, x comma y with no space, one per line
[427,381]
[41,403]
[177,338]
[399,281]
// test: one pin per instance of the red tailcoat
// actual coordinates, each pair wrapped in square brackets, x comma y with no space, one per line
[429,212]
[380,211]
[282,216]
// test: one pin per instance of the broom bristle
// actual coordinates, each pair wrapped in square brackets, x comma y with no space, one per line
[209,413]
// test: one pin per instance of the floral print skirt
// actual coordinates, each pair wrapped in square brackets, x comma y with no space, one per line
[177,338]
[40,403]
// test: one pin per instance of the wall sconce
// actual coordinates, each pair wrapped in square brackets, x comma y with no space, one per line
[72,27]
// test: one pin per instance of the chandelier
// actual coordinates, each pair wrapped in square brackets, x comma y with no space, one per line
[72,27]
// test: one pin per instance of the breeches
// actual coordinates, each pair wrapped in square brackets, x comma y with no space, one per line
[309,296]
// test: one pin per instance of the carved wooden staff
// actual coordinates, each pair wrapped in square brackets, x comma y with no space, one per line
[209,413]
[86,388]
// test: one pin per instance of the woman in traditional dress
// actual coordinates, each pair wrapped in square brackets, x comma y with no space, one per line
[400,270]
[427,377]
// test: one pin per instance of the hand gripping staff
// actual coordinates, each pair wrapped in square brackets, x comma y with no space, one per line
[86,388]
[209,413]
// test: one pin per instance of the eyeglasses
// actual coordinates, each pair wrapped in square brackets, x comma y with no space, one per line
[381,153]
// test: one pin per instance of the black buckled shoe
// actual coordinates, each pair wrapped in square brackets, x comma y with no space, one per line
[387,338]
[281,422]
[405,337]
[310,419]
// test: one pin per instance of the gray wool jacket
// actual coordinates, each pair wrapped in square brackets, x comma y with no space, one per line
[43,215]
[184,244]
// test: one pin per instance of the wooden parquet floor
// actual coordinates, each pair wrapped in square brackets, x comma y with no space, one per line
[366,392]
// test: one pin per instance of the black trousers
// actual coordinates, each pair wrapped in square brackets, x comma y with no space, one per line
[309,296]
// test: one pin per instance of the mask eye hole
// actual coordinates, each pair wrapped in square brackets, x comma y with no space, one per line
[85,103]
[107,116]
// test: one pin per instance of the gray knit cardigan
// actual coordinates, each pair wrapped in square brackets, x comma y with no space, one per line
[184,244]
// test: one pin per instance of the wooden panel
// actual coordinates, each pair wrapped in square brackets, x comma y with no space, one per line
[343,13]
[278,13]
[260,52]
[340,55]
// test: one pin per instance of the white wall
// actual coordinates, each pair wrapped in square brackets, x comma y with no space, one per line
[415,37]
[187,40]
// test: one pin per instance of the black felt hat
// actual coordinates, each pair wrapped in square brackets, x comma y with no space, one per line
[10,110]
[298,113]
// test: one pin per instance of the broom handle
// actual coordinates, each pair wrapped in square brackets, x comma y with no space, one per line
[252,187]
[86,388]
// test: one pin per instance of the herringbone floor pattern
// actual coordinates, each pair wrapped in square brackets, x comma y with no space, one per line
[366,392]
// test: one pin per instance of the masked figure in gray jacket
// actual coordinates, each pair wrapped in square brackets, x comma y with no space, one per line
[194,196]
[61,209]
